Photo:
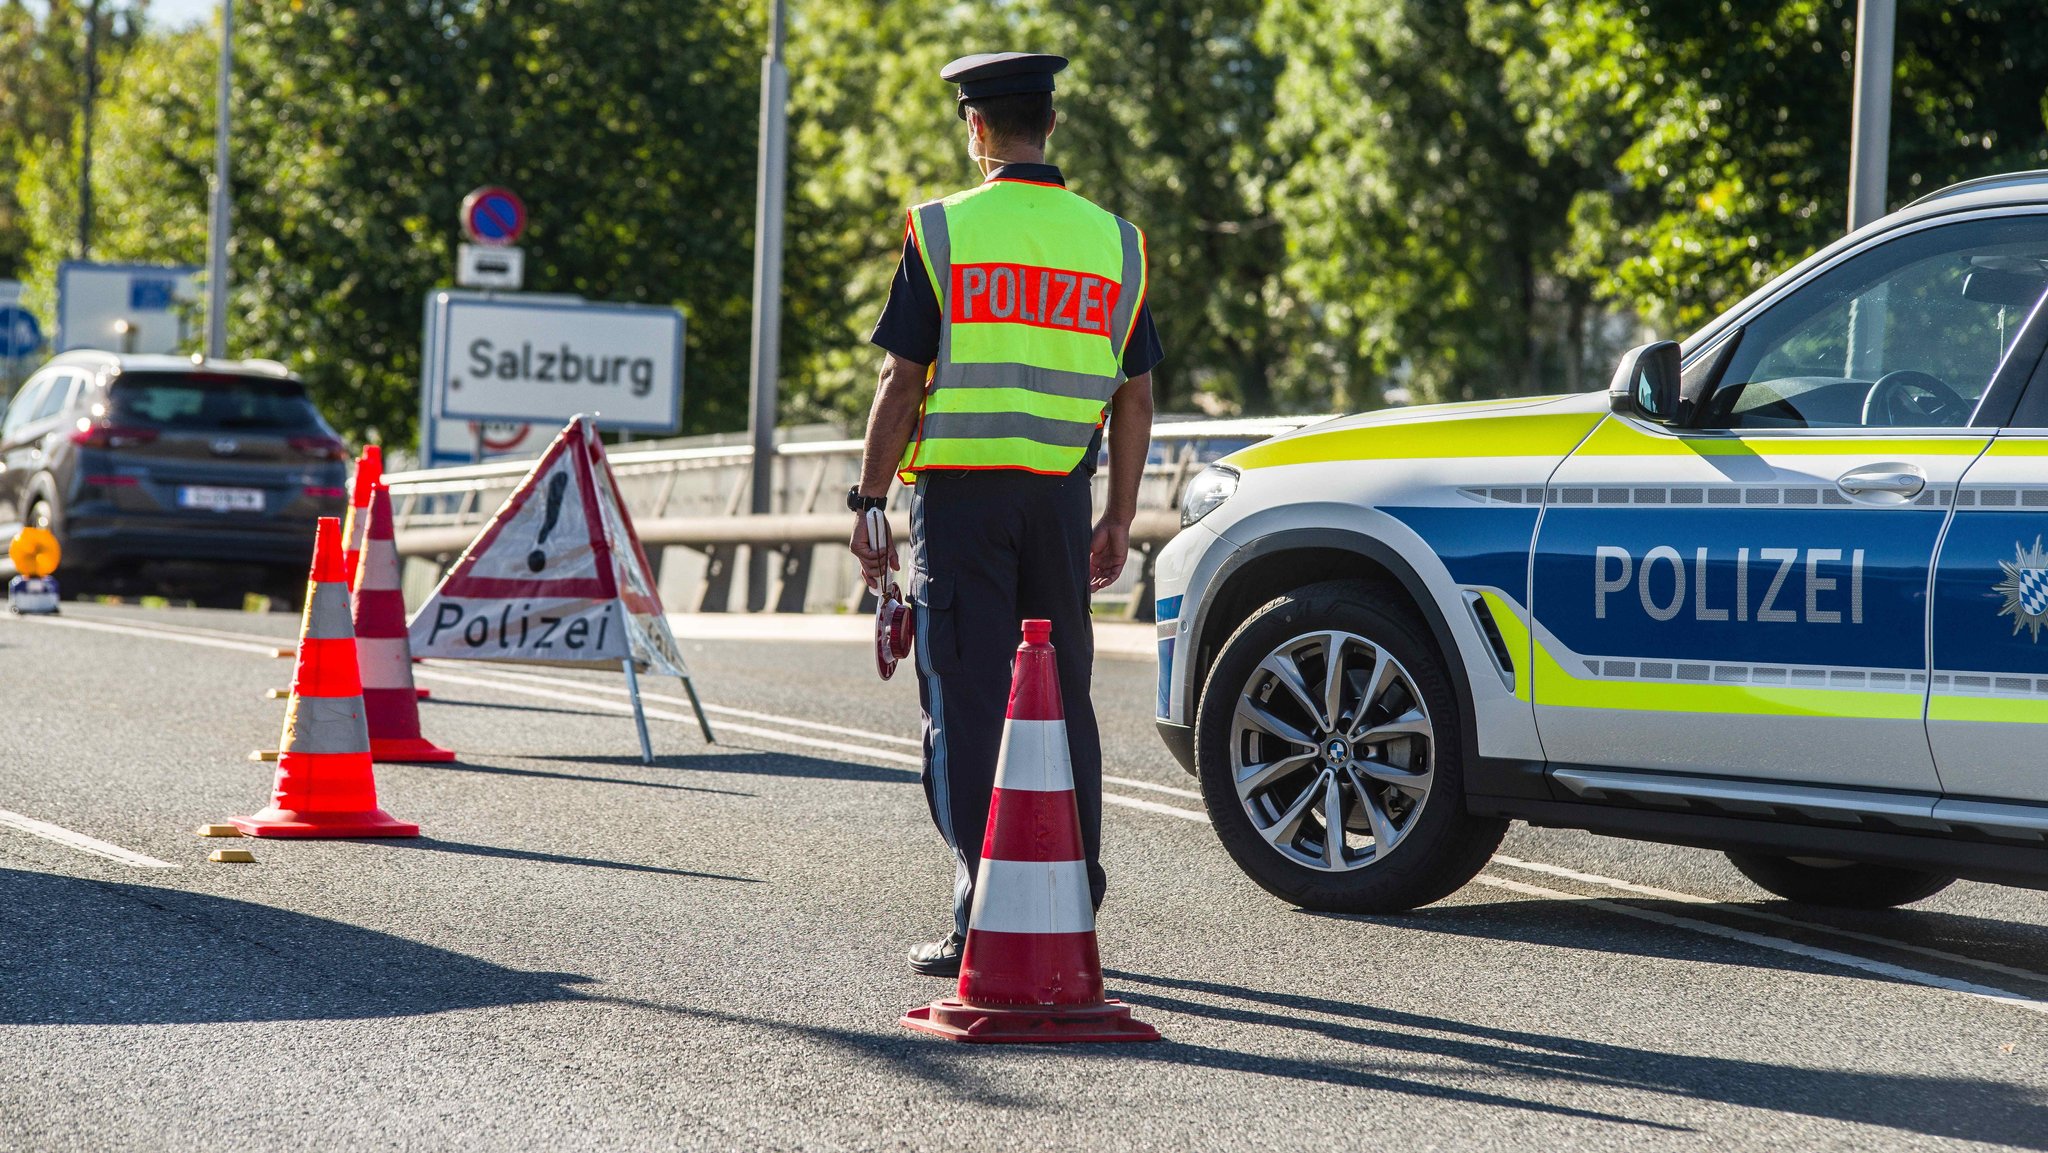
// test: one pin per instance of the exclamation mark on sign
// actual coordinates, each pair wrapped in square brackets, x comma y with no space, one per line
[557,486]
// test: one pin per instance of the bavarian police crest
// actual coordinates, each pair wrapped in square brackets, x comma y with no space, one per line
[2025,589]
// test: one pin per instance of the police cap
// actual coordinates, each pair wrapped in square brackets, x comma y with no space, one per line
[987,74]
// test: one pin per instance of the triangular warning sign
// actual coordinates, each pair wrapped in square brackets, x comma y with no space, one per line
[557,577]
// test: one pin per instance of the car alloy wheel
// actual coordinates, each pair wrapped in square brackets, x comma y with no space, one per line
[1332,751]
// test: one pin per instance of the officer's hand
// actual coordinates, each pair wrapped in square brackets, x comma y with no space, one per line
[875,562]
[1106,554]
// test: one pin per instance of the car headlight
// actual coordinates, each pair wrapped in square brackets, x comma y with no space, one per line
[1211,487]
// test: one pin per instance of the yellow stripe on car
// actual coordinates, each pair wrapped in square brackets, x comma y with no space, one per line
[1537,434]
[2006,710]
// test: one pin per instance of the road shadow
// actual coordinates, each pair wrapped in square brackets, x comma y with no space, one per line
[543,774]
[1960,1107]
[435,845]
[758,763]
[82,952]
[985,1076]
[1576,925]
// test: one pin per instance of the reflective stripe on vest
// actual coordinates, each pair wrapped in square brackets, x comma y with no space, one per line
[1038,292]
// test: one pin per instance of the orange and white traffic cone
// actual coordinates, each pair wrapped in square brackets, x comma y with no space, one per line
[382,647]
[369,474]
[325,786]
[1030,972]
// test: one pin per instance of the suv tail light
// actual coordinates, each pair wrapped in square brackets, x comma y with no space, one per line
[102,434]
[319,447]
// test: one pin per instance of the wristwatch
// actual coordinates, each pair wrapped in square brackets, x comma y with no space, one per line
[857,503]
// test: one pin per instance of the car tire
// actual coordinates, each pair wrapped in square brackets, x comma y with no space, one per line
[1844,884]
[1434,852]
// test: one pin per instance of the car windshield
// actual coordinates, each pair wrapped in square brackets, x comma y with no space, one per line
[212,401]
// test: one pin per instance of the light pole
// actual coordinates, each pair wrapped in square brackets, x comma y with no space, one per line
[764,365]
[92,91]
[1871,128]
[217,218]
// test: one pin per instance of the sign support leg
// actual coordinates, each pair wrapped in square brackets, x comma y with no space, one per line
[640,714]
[696,706]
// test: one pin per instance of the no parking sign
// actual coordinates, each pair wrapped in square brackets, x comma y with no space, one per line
[494,216]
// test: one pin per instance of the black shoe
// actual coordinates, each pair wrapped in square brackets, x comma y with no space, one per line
[938,958]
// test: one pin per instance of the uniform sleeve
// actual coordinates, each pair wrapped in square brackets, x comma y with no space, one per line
[1144,352]
[910,320]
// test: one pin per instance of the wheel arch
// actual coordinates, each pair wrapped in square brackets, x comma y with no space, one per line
[1278,563]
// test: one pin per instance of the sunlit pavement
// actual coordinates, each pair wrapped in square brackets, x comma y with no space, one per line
[583,952]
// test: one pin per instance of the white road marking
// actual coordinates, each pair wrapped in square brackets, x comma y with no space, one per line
[195,630]
[80,841]
[1138,784]
[264,649]
[725,710]
[1756,914]
[436,668]
[506,681]
[1777,944]
[626,707]
[1155,807]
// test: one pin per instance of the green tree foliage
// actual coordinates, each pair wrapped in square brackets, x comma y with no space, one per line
[1472,197]
[1720,133]
[1162,116]
[627,126]
[152,155]
[42,89]
[1419,221]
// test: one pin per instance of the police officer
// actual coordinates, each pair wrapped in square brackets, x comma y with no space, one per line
[1017,320]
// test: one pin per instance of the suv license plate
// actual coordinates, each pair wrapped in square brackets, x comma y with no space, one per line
[220,499]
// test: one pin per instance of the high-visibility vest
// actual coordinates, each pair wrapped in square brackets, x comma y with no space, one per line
[1038,293]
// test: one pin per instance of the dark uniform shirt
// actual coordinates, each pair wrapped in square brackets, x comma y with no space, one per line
[910,321]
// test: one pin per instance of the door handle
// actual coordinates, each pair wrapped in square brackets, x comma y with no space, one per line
[1889,479]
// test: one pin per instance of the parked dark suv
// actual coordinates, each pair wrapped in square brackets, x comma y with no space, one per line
[180,476]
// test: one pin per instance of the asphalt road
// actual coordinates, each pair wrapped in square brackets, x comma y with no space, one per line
[583,952]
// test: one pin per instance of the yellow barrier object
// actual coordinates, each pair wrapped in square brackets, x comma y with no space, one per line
[232,857]
[34,552]
[219,831]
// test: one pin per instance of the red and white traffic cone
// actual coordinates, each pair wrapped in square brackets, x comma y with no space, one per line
[369,474]
[1030,972]
[325,786]
[382,646]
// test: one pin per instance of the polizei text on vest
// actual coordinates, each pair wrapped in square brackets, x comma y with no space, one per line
[562,364]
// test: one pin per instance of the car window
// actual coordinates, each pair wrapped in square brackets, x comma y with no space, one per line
[213,402]
[1904,335]
[55,399]
[24,405]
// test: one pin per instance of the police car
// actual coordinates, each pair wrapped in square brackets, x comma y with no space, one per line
[1781,591]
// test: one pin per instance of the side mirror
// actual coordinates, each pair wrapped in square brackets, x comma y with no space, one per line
[1646,382]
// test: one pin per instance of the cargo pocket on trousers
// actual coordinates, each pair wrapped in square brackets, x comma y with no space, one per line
[938,634]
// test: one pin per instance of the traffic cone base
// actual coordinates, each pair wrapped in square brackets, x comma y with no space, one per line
[415,750]
[276,822]
[956,1020]
[1029,970]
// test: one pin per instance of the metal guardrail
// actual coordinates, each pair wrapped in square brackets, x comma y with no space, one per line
[694,498]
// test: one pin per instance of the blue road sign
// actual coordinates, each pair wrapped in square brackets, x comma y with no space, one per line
[20,335]
[493,215]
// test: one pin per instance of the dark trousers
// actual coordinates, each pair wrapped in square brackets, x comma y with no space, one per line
[990,548]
